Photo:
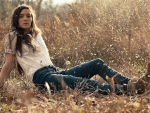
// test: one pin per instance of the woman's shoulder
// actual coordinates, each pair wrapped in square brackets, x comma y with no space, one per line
[37,36]
[11,35]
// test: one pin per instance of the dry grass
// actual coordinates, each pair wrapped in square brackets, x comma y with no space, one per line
[32,101]
[117,32]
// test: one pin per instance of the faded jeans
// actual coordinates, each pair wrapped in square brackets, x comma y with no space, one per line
[79,77]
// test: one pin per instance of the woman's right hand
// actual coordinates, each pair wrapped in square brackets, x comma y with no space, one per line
[6,69]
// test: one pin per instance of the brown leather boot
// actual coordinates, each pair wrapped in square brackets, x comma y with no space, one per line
[146,77]
[142,86]
[137,86]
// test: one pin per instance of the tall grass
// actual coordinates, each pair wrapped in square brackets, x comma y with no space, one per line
[115,30]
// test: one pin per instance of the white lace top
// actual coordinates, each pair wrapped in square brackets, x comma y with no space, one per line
[29,61]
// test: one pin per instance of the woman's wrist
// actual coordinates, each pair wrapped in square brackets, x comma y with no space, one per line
[1,87]
[1,84]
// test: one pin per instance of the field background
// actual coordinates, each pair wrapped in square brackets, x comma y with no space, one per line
[118,31]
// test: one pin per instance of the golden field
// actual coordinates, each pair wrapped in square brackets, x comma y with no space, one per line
[118,31]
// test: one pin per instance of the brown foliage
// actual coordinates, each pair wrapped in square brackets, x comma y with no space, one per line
[117,32]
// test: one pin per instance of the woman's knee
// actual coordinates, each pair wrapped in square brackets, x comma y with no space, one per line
[98,61]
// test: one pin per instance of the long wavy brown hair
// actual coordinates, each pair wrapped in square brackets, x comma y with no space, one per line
[21,35]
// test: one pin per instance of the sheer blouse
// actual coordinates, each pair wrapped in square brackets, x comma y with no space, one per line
[29,61]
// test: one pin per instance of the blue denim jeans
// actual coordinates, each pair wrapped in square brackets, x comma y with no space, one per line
[79,77]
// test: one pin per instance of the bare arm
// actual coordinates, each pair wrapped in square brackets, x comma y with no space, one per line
[6,69]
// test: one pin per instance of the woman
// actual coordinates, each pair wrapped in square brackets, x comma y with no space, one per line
[25,44]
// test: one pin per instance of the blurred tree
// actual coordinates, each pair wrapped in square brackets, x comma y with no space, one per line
[43,8]
[38,8]
[3,10]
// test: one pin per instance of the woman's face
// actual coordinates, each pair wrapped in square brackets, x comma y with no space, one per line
[25,20]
